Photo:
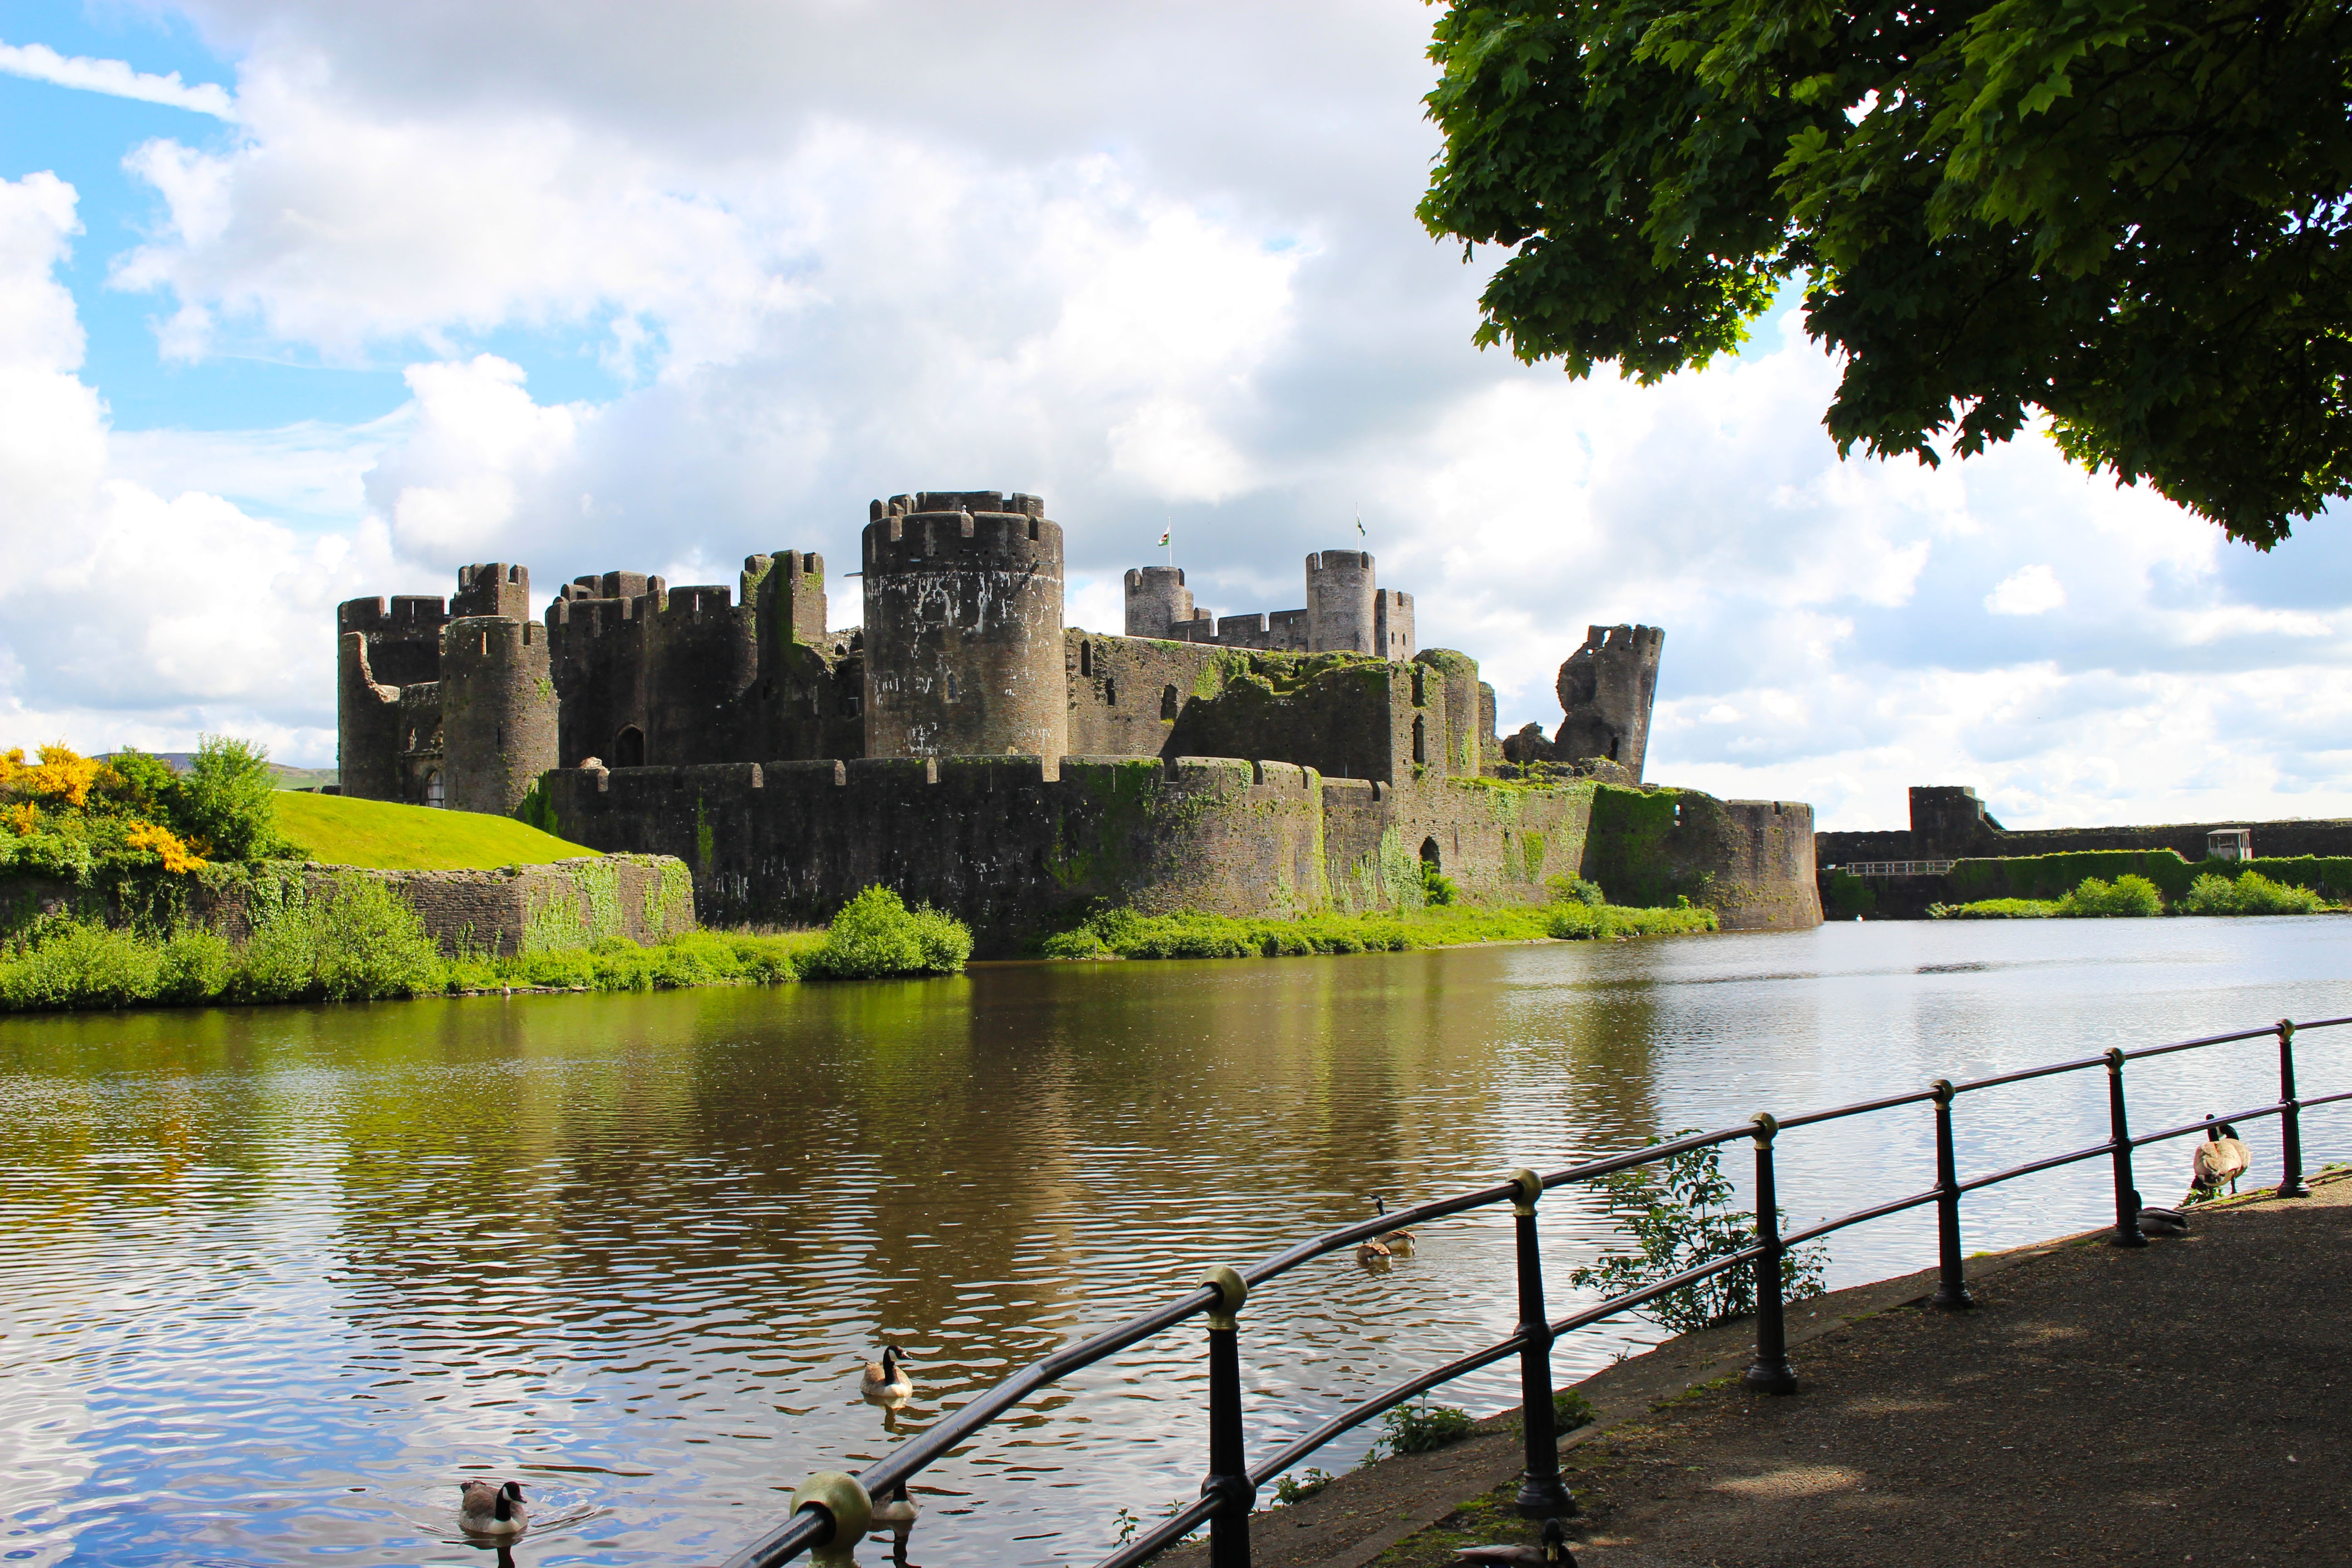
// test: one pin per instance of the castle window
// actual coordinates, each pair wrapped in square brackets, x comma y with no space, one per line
[1086,658]
[1110,692]
[951,690]
[1420,739]
[1168,703]
[1420,692]
[629,747]
[1429,854]
[433,795]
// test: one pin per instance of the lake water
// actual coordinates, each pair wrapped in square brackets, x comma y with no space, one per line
[272,1280]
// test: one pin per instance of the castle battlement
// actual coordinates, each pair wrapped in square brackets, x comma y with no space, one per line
[492,588]
[701,599]
[953,501]
[409,614]
[959,541]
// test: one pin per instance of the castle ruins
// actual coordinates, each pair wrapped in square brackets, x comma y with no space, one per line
[966,747]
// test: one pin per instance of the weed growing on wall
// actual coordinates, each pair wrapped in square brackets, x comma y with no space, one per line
[1678,1216]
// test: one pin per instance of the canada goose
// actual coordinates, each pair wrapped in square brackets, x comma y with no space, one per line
[1552,1553]
[1393,1240]
[2157,1221]
[1370,1253]
[885,1378]
[2220,1158]
[490,1508]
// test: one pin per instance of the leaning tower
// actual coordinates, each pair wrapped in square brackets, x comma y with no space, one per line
[963,628]
[1607,688]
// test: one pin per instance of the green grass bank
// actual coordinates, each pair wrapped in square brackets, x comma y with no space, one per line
[382,835]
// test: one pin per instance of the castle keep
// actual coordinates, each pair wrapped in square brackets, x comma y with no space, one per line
[965,747]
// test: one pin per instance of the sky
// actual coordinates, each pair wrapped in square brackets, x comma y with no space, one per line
[303,300]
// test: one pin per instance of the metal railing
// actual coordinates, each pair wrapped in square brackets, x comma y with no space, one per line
[1895,867]
[835,1507]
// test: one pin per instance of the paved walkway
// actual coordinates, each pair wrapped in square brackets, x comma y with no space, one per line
[2181,1403]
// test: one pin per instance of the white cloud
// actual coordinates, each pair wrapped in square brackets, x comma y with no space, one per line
[2028,591]
[113,78]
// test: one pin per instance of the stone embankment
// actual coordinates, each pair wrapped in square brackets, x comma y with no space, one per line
[2180,1403]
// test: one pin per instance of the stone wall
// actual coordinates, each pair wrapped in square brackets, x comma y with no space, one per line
[1751,860]
[1949,822]
[998,843]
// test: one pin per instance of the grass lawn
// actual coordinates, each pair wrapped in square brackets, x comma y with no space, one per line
[378,832]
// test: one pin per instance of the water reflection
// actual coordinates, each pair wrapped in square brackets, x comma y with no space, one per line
[277,1280]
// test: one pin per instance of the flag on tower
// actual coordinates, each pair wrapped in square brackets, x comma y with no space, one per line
[1163,539]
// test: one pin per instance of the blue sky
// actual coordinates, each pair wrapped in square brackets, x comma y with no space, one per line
[594,286]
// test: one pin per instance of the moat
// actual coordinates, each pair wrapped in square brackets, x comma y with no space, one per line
[276,1278]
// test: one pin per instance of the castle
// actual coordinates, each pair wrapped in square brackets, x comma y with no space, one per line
[966,747]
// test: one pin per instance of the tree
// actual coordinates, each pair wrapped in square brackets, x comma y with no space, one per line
[2129,215]
[227,799]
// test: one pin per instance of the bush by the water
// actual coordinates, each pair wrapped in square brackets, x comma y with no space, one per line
[1125,933]
[1995,910]
[876,934]
[2127,897]
[1679,1213]
[356,940]
[2251,894]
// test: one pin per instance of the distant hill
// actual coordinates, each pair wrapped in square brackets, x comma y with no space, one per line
[287,777]
[388,837]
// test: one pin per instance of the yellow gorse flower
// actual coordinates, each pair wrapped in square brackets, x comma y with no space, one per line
[177,857]
[21,819]
[61,774]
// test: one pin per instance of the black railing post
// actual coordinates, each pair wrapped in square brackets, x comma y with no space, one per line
[2290,1119]
[1951,1281]
[1771,1374]
[1542,1495]
[2119,1130]
[1229,1527]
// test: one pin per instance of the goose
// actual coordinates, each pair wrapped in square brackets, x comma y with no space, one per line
[1394,1240]
[1370,1253]
[2154,1220]
[491,1508]
[885,1378]
[2220,1158]
[1552,1553]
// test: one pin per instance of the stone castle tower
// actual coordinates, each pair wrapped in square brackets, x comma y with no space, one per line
[1157,600]
[964,628]
[446,706]
[1607,688]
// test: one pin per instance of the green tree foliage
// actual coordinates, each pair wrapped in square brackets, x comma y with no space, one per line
[2251,894]
[1678,1212]
[2127,897]
[877,934]
[2129,215]
[228,799]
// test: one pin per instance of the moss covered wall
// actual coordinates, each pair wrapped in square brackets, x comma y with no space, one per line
[1751,860]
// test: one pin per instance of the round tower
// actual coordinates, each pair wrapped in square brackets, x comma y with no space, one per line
[1156,600]
[1342,604]
[497,713]
[963,628]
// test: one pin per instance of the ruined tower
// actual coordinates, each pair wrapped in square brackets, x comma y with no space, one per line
[1607,688]
[1158,601]
[963,628]
[497,711]
[377,653]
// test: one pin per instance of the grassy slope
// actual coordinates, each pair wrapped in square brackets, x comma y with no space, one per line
[378,832]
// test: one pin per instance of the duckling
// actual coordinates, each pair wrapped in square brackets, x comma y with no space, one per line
[1552,1553]
[899,1513]
[885,1378]
[490,1508]
[1395,1241]
[2220,1158]
[1372,1254]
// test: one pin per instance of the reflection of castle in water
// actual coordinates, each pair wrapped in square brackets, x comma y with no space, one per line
[964,746]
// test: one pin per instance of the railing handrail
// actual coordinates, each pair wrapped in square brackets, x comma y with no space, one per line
[810,1527]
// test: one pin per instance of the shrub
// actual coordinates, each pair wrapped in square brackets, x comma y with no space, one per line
[1995,910]
[2128,896]
[354,940]
[877,934]
[1571,1410]
[2251,894]
[77,963]
[228,799]
[1577,923]
[1418,1428]
[1675,1210]
[196,966]
[1436,887]
[1576,891]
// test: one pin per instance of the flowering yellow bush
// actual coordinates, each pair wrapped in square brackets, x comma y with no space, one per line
[61,774]
[21,818]
[177,857]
